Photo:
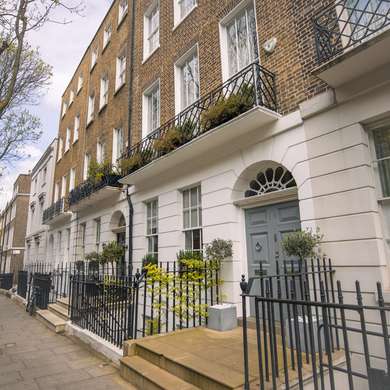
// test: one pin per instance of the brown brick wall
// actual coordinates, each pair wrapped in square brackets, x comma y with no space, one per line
[292,62]
[114,115]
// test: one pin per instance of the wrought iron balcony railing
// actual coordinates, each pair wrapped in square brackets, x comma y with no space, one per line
[254,86]
[348,23]
[87,188]
[54,210]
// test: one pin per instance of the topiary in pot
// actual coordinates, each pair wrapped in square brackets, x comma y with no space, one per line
[301,243]
[219,249]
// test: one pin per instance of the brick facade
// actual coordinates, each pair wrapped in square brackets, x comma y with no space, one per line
[113,115]
[14,223]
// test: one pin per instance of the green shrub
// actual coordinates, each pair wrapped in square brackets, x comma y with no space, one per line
[301,244]
[171,140]
[219,249]
[97,171]
[127,165]
[149,259]
[112,252]
[228,108]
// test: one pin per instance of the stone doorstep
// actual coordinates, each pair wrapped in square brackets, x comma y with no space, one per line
[51,320]
[59,311]
[64,302]
[148,376]
[199,372]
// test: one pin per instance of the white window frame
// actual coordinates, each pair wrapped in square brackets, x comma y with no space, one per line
[91,108]
[94,58]
[71,97]
[80,83]
[60,149]
[67,140]
[63,186]
[100,152]
[57,192]
[192,227]
[76,128]
[179,103]
[151,213]
[122,10]
[178,18]
[148,34]
[64,108]
[147,95]
[116,151]
[224,35]
[104,87]
[87,161]
[72,179]
[107,35]
[120,72]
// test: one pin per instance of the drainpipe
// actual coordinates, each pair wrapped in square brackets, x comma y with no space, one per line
[131,53]
[130,241]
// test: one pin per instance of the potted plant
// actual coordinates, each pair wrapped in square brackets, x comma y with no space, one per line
[130,164]
[112,253]
[228,108]
[301,243]
[149,259]
[171,140]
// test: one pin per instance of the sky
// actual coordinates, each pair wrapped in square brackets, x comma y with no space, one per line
[61,46]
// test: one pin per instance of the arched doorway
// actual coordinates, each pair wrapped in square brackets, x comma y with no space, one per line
[269,194]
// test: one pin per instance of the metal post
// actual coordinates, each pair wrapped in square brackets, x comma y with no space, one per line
[244,290]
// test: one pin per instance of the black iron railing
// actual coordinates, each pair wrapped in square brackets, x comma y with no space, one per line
[6,281]
[160,301]
[253,86]
[347,23]
[54,210]
[89,187]
[22,283]
[306,332]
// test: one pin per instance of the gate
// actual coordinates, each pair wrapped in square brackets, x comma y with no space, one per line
[41,286]
[22,283]
[318,338]
[6,281]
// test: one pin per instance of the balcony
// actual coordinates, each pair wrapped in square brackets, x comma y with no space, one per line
[352,39]
[92,192]
[244,103]
[57,212]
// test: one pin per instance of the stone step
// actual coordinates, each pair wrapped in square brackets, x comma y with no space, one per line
[148,376]
[201,372]
[51,320]
[64,302]
[59,311]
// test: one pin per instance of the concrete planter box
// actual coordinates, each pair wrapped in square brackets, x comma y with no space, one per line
[222,317]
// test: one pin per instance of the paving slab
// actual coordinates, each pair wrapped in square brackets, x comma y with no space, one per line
[32,357]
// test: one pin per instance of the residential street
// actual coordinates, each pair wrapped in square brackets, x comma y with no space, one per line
[32,357]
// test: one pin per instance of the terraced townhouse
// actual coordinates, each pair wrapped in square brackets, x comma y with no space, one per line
[242,120]
[92,129]
[13,221]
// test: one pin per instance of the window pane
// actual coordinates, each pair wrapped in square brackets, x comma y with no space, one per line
[194,218]
[186,199]
[384,174]
[382,143]
[188,240]
[197,240]
[242,35]
[232,48]
[194,197]
[186,219]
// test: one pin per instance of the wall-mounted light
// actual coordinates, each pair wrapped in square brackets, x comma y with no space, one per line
[270,45]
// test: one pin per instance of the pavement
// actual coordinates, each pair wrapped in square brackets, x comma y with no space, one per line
[32,357]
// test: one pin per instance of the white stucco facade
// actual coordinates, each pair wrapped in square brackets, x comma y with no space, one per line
[40,198]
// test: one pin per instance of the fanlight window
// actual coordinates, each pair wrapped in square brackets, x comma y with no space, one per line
[270,180]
